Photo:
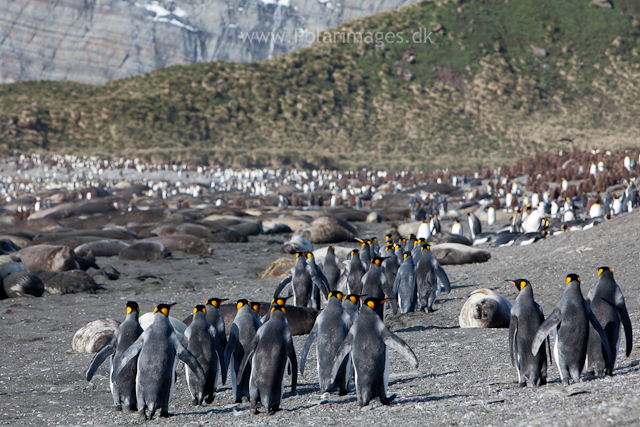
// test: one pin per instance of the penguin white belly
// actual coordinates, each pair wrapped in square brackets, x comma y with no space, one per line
[386,368]
[515,350]
[186,375]
[111,382]
[234,379]
[527,242]
[615,355]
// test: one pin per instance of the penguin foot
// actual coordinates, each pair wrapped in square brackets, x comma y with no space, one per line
[254,407]
[142,415]
[608,372]
[117,408]
[209,399]
[387,400]
[543,380]
[194,401]
[523,384]
[588,373]
[164,414]
[325,396]
[565,382]
[343,392]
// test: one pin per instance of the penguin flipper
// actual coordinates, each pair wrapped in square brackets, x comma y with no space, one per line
[281,285]
[220,352]
[231,345]
[294,363]
[598,328]
[248,354]
[513,329]
[317,280]
[307,346]
[132,351]
[395,342]
[188,358]
[442,276]
[621,308]
[545,329]
[343,351]
[105,351]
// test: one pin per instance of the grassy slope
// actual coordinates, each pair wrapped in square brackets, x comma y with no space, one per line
[479,96]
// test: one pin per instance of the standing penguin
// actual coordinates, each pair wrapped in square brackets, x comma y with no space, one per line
[526,318]
[241,333]
[375,285]
[456,228]
[268,352]
[424,231]
[350,303]
[367,342]
[331,268]
[570,319]
[607,302]
[201,339]
[351,279]
[331,328]
[474,225]
[491,216]
[157,348]
[428,271]
[215,318]
[405,285]
[123,388]
[305,283]
[434,224]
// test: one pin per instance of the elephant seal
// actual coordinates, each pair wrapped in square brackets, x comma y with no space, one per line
[10,264]
[164,230]
[67,282]
[102,248]
[92,336]
[455,254]
[485,309]
[446,237]
[182,243]
[301,319]
[22,284]
[297,244]
[328,229]
[7,247]
[144,251]
[46,257]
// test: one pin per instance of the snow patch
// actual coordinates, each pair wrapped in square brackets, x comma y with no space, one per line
[163,15]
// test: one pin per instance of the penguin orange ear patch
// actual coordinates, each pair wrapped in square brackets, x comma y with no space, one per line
[600,272]
[371,304]
[239,305]
[129,310]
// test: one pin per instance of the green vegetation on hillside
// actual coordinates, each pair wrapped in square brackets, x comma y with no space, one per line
[477,96]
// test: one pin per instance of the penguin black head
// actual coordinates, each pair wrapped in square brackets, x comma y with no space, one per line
[309,254]
[301,254]
[354,252]
[200,308]
[388,237]
[354,298]
[216,301]
[375,303]
[520,283]
[277,301]
[374,239]
[240,303]
[572,277]
[407,255]
[402,241]
[378,260]
[603,269]
[164,308]
[132,306]
[256,305]
[330,249]
[279,308]
[423,247]
[336,294]
[412,237]
[422,240]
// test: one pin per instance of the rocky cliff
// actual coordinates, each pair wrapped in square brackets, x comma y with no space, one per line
[94,41]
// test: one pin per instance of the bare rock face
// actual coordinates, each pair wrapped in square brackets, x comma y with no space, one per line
[94,41]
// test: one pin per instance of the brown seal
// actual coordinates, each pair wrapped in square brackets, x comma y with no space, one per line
[144,251]
[47,257]
[182,243]
[485,309]
[92,336]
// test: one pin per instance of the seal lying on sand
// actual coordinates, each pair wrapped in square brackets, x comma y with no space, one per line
[92,336]
[485,309]
[50,258]
[454,253]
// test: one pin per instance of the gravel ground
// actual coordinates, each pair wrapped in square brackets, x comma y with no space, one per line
[464,377]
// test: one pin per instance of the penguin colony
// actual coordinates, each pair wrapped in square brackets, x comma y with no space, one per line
[352,339]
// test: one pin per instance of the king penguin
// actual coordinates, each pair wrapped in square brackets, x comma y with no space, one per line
[123,388]
[201,339]
[268,352]
[607,303]
[570,320]
[215,318]
[241,333]
[367,343]
[405,285]
[157,349]
[526,318]
[331,268]
[430,279]
[331,328]
[351,303]
[474,225]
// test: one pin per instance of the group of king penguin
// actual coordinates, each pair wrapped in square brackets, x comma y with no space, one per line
[586,332]
[352,339]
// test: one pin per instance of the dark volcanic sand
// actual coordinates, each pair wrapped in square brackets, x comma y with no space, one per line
[464,377]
